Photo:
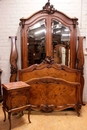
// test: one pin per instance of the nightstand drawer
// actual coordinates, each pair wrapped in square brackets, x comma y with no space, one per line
[18,98]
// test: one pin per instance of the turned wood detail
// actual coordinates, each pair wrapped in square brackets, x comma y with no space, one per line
[13,59]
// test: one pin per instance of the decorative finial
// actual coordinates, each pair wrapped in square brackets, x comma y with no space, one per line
[49,8]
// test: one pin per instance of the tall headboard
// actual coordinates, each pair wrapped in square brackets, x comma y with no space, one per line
[53,41]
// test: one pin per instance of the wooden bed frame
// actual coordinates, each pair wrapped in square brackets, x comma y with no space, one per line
[53,86]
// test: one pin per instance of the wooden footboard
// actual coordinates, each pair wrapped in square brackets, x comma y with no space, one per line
[54,70]
[48,94]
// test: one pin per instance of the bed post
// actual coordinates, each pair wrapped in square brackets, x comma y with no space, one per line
[13,59]
[80,61]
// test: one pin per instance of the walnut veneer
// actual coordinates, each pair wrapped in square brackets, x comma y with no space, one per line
[48,94]
[53,86]
[15,98]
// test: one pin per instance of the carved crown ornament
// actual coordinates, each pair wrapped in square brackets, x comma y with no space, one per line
[49,8]
[49,60]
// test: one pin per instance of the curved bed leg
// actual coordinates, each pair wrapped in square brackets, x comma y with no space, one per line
[29,114]
[77,108]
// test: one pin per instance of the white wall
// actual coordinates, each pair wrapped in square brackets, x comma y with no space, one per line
[12,10]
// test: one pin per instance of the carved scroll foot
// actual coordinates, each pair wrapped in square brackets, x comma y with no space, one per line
[77,108]
[46,108]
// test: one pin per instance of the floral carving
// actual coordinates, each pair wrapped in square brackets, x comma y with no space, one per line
[48,60]
[49,8]
[13,69]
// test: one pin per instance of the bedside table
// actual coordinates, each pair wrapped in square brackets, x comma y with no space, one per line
[15,98]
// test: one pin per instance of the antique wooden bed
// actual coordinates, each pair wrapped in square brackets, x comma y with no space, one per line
[53,86]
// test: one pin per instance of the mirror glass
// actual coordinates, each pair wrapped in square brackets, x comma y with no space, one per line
[61,43]
[36,42]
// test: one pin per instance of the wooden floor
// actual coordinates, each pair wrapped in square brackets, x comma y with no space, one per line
[64,120]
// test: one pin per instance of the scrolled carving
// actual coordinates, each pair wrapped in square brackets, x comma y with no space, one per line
[13,69]
[49,60]
[22,22]
[46,107]
[75,22]
[49,8]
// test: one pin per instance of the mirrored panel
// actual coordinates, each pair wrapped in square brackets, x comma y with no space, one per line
[61,43]
[36,42]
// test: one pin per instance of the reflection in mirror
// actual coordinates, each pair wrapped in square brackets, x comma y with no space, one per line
[36,42]
[61,43]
